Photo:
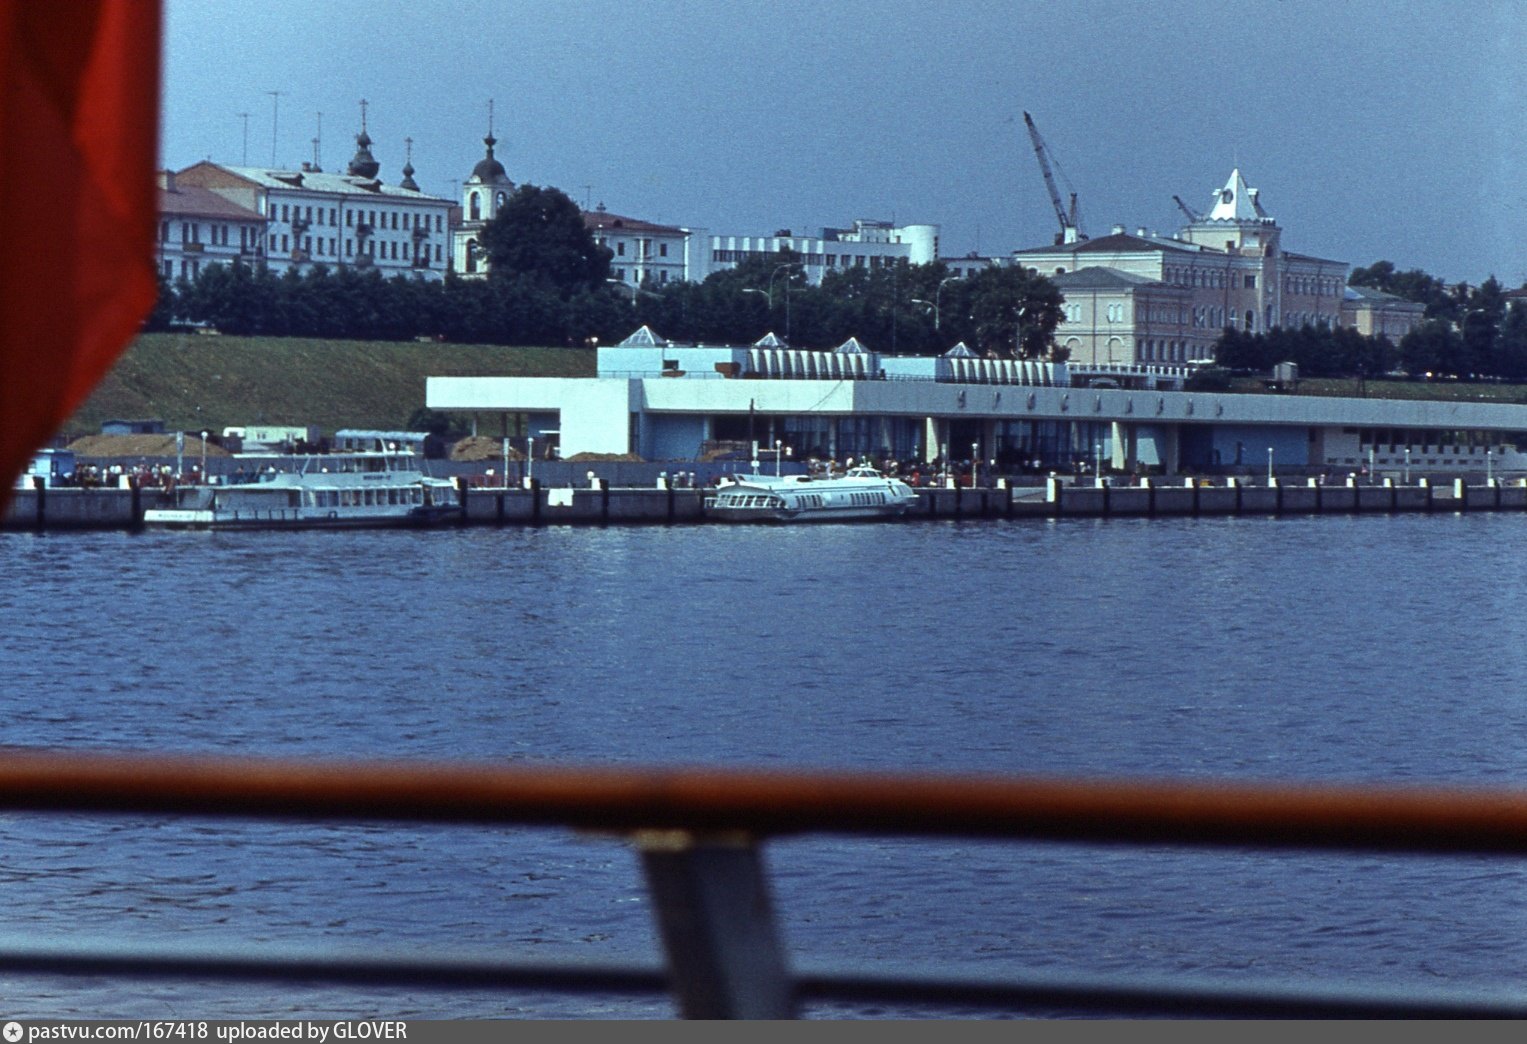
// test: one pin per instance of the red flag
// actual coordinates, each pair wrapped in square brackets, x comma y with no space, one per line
[79,118]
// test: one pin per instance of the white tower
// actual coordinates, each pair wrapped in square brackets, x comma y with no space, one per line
[483,195]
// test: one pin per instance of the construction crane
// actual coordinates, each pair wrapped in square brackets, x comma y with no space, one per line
[1193,215]
[1070,228]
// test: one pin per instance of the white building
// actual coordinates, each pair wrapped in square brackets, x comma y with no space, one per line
[316,218]
[665,401]
[644,252]
[868,244]
[198,227]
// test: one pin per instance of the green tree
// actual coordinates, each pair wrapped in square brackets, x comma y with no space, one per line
[539,234]
[1432,347]
[1013,312]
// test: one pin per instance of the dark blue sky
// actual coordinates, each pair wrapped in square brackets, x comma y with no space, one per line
[1373,129]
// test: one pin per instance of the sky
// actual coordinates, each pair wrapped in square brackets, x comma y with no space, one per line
[1373,130]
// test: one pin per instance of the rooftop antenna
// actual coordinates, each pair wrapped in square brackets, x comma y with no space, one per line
[275,113]
[587,192]
[316,141]
[245,117]
[490,117]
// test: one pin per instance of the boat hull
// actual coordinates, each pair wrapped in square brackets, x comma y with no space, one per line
[844,514]
[297,518]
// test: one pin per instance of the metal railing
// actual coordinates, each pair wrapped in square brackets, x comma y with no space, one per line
[698,834]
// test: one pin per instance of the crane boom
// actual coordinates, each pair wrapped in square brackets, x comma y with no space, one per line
[1192,214]
[1069,232]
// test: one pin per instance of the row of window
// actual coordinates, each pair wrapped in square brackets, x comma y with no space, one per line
[1172,351]
[402,220]
[645,244]
[387,251]
[1311,287]
[1422,440]
[810,260]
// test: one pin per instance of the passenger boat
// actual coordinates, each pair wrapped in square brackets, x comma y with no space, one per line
[335,491]
[861,492]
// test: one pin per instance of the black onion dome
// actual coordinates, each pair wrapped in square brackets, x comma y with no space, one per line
[488,168]
[364,165]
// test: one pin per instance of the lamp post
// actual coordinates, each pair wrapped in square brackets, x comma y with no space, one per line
[1097,473]
[204,456]
[506,461]
[530,458]
[1489,473]
[778,450]
[975,460]
[1407,465]
[1269,465]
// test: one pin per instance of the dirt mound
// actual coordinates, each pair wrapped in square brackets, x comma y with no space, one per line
[596,458]
[482,447]
[140,446]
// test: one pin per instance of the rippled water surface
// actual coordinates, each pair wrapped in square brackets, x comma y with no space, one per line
[1327,649]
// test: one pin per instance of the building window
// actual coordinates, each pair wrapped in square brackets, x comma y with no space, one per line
[620,249]
[1251,282]
[662,250]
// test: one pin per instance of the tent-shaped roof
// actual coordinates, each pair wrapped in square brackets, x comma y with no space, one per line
[961,351]
[770,340]
[643,338]
[852,346]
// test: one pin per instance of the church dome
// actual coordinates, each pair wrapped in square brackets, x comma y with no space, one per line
[489,170]
[364,165]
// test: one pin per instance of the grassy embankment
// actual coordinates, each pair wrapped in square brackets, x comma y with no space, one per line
[193,382]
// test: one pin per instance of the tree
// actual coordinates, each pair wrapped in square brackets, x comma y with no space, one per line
[1432,347]
[539,234]
[1013,312]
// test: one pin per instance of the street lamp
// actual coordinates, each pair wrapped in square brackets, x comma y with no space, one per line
[204,456]
[975,459]
[1269,465]
[1407,465]
[530,459]
[778,451]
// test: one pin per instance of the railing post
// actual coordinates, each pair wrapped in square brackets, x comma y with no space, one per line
[713,911]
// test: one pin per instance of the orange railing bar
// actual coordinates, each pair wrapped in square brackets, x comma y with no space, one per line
[764,804]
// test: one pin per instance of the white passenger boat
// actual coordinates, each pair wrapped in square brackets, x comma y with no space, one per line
[337,491]
[859,493]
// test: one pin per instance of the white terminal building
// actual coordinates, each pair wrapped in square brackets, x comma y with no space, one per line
[659,400]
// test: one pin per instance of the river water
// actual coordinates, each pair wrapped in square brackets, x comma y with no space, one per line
[1331,648]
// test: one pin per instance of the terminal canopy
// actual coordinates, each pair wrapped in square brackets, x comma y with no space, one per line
[960,351]
[852,346]
[770,340]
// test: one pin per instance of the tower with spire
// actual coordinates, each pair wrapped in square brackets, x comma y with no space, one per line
[1236,223]
[483,195]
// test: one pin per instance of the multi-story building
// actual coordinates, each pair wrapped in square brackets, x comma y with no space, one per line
[1147,299]
[643,252]
[1375,313]
[316,218]
[868,244]
[198,227]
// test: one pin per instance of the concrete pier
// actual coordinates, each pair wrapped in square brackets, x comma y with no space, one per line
[601,504]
